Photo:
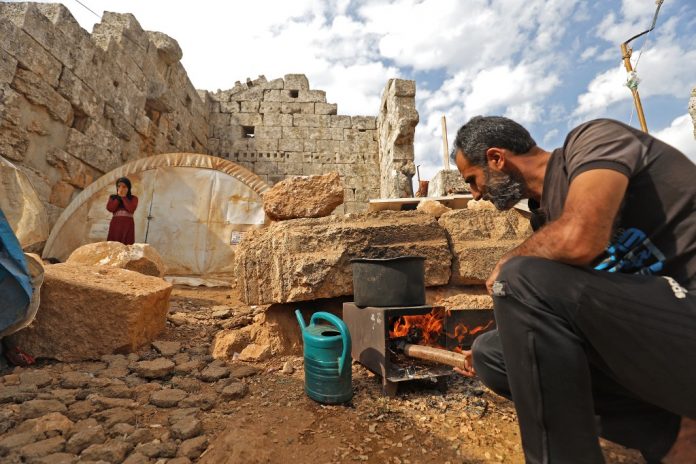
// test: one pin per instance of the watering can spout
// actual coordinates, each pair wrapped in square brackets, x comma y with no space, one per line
[300,319]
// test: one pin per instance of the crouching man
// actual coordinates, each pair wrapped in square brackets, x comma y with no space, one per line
[596,311]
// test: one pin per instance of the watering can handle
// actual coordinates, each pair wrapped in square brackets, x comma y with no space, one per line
[345,335]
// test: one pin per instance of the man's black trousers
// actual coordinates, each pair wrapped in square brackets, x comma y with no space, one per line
[574,343]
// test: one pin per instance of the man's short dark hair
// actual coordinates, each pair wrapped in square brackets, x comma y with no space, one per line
[483,132]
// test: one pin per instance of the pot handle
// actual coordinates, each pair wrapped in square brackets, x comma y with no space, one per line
[345,335]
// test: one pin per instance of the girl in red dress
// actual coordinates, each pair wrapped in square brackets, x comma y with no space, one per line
[123,204]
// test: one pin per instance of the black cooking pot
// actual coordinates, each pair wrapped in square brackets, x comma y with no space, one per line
[389,281]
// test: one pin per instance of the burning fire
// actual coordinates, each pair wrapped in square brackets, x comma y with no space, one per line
[428,329]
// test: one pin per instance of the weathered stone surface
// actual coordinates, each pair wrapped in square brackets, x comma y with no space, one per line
[234,391]
[193,447]
[296,82]
[433,208]
[42,448]
[166,348]
[154,369]
[307,259]
[88,311]
[40,93]
[84,438]
[459,297]
[167,48]
[111,417]
[186,428]
[228,342]
[73,171]
[396,126]
[139,257]
[90,151]
[112,451]
[447,182]
[478,205]
[37,408]
[53,421]
[304,197]
[255,353]
[214,372]
[479,239]
[167,397]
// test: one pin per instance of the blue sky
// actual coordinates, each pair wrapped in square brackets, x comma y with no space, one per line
[550,64]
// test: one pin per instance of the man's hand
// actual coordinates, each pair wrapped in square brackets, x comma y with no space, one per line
[468,370]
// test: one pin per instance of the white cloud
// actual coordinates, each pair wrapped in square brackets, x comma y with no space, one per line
[680,134]
[588,53]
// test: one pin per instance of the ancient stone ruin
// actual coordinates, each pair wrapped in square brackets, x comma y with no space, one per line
[76,105]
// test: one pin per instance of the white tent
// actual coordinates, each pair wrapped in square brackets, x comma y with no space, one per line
[192,208]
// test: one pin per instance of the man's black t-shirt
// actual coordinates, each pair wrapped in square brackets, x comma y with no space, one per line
[655,229]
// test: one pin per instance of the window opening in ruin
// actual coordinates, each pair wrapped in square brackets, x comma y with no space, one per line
[188,101]
[80,120]
[178,127]
[294,93]
[116,84]
[248,132]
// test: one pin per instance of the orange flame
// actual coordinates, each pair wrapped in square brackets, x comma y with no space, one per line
[430,327]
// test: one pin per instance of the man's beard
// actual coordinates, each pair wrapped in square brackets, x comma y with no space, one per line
[503,190]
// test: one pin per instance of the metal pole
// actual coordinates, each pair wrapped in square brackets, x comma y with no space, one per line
[626,53]
[445,145]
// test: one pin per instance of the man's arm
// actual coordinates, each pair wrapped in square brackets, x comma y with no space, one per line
[584,228]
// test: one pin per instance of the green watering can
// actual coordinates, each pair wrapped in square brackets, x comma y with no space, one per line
[327,360]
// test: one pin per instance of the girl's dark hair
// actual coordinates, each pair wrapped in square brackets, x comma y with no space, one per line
[127,182]
[484,132]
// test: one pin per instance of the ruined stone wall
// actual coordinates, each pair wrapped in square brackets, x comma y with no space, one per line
[75,105]
[282,128]
[396,126]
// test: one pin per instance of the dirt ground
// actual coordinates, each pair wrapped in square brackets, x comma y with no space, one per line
[267,419]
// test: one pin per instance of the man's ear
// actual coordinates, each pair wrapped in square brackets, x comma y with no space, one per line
[496,158]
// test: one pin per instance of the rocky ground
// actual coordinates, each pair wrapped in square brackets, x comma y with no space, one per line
[171,402]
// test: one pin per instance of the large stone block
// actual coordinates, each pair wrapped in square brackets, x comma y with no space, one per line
[28,52]
[303,197]
[311,120]
[447,182]
[307,259]
[139,257]
[91,151]
[479,238]
[167,48]
[40,93]
[8,65]
[296,82]
[89,311]
[314,96]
